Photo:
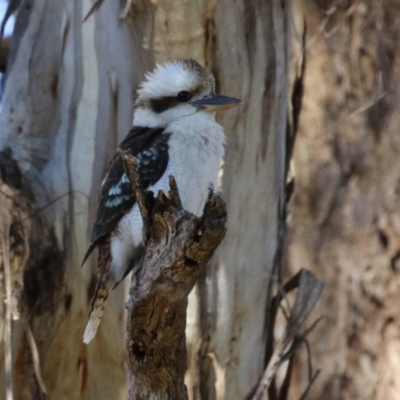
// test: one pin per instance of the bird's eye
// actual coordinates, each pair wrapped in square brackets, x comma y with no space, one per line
[184,96]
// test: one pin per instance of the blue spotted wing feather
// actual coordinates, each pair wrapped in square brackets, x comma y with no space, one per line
[150,147]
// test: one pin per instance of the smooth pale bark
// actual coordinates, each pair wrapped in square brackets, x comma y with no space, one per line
[181,29]
[247,46]
[67,100]
[345,222]
[252,64]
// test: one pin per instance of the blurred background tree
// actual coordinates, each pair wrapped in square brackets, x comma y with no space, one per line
[68,97]
[344,221]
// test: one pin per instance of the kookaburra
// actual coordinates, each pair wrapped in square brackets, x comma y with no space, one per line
[174,133]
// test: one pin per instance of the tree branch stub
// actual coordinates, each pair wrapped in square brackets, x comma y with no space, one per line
[178,247]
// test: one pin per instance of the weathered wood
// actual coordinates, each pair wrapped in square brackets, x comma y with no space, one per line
[179,245]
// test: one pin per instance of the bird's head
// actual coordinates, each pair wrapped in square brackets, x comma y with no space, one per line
[177,89]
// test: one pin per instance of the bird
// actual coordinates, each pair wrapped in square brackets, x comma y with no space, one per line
[174,133]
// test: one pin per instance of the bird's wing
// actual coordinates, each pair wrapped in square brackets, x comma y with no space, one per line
[150,147]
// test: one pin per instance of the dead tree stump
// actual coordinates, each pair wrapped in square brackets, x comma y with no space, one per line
[178,247]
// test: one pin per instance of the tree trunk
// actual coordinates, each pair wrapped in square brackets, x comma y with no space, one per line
[251,64]
[345,222]
[67,102]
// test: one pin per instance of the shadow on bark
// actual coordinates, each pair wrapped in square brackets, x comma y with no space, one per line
[32,272]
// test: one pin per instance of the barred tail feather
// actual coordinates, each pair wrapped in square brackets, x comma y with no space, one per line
[101,292]
[95,314]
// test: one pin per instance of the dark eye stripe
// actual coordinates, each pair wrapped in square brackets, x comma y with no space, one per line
[163,104]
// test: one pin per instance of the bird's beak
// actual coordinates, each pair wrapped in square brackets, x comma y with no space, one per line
[215,102]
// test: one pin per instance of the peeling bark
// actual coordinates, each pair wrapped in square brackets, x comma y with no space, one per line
[67,101]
